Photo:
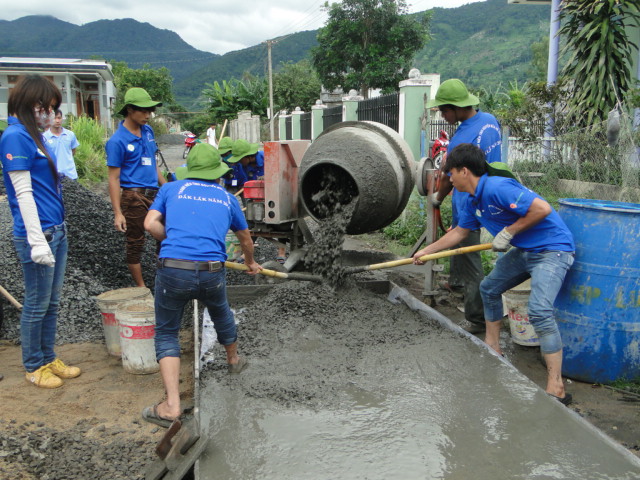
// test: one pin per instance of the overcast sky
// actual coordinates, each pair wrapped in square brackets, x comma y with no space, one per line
[216,26]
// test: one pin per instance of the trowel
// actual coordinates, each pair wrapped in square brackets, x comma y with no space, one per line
[177,450]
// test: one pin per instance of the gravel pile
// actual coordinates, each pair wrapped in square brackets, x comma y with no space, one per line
[82,452]
[96,264]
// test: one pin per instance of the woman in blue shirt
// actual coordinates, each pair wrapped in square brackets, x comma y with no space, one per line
[35,199]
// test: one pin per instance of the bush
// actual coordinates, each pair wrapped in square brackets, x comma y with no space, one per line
[90,156]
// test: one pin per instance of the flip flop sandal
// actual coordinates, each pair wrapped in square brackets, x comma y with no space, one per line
[150,414]
[566,400]
[281,260]
[238,367]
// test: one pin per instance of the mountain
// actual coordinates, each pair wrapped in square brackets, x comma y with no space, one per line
[483,43]
[124,40]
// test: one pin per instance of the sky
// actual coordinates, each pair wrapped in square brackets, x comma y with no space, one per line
[216,26]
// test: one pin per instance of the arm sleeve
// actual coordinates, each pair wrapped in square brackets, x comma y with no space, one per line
[21,180]
[115,154]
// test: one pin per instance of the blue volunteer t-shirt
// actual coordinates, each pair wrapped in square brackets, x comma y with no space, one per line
[238,177]
[483,131]
[20,152]
[63,146]
[198,214]
[499,202]
[256,170]
[134,156]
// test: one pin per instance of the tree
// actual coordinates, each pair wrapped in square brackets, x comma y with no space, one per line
[296,85]
[156,81]
[368,44]
[226,99]
[599,52]
[537,71]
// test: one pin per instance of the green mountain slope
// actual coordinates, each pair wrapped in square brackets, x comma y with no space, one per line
[484,43]
[124,40]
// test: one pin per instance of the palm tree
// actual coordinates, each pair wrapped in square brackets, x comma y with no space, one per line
[599,54]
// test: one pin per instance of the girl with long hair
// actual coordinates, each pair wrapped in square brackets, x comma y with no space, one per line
[40,237]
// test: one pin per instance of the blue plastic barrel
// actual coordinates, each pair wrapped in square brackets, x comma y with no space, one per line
[598,307]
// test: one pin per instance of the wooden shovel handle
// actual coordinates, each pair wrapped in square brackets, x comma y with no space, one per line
[424,258]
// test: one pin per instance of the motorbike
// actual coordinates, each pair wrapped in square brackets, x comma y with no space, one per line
[439,149]
[190,140]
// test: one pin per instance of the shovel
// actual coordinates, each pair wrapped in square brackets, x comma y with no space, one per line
[273,273]
[10,297]
[424,258]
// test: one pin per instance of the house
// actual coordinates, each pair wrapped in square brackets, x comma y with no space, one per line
[86,85]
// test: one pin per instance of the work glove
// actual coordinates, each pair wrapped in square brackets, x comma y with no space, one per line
[502,241]
[433,199]
[42,254]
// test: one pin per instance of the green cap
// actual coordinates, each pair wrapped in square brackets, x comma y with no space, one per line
[453,92]
[203,163]
[242,148]
[500,169]
[138,97]
[225,145]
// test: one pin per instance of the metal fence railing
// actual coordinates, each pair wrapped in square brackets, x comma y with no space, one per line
[331,116]
[435,127]
[384,109]
[305,126]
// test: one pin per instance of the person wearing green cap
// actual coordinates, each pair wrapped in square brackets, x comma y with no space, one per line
[191,217]
[134,176]
[250,157]
[481,129]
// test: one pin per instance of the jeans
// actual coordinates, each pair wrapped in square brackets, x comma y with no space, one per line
[547,271]
[43,287]
[174,288]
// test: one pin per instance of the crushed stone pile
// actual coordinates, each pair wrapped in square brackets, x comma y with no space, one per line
[96,264]
[84,451]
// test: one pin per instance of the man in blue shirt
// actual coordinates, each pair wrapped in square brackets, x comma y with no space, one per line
[482,130]
[133,174]
[191,217]
[63,144]
[542,250]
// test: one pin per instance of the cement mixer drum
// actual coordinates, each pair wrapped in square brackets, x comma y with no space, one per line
[366,161]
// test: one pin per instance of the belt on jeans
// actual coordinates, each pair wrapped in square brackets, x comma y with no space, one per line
[147,192]
[190,264]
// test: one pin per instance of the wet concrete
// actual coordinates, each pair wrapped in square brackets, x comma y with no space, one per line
[344,384]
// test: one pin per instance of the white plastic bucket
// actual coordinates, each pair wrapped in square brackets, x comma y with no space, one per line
[137,330]
[108,302]
[516,300]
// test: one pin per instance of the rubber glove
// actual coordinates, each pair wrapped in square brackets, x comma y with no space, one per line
[433,199]
[502,241]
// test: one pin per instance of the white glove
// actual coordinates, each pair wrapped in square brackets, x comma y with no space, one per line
[502,241]
[433,199]
[42,254]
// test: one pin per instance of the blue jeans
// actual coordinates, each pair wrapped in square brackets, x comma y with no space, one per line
[43,287]
[174,288]
[547,271]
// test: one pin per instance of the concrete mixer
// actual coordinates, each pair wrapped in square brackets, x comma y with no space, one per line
[368,162]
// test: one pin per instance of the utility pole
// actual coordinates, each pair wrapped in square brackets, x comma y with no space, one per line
[271,128]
